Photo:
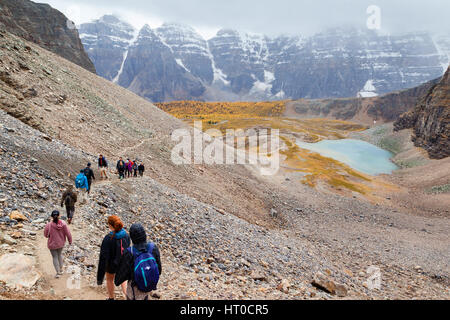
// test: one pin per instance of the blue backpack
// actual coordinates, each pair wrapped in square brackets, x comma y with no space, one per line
[146,272]
[79,181]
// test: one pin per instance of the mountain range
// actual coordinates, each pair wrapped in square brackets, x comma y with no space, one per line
[174,62]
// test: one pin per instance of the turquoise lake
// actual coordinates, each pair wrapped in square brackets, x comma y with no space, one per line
[359,155]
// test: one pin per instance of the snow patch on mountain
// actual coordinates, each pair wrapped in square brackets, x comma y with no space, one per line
[125,55]
[219,76]
[368,91]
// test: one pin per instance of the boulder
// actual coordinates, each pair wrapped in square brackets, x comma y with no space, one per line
[258,276]
[4,238]
[16,215]
[18,270]
[324,283]
[284,286]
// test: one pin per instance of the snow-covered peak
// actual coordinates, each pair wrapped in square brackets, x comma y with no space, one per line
[108,26]
[115,22]
[178,35]
[176,27]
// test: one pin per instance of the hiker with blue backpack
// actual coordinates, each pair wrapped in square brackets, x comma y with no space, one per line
[140,265]
[81,183]
[114,245]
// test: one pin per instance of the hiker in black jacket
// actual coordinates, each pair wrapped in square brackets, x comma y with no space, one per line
[135,168]
[69,198]
[89,175]
[121,168]
[125,271]
[141,169]
[113,246]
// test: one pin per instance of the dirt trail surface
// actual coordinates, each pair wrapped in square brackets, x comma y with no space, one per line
[66,286]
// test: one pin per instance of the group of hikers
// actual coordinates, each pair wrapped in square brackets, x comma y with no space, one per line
[126,260]
[128,168]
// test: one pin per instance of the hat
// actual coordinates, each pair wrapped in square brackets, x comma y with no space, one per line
[137,234]
[89,164]
[55,213]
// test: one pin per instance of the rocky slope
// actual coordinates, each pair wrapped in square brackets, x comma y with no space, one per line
[239,66]
[430,120]
[224,232]
[46,27]
[206,253]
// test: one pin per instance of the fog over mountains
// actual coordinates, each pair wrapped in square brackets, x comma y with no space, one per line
[174,62]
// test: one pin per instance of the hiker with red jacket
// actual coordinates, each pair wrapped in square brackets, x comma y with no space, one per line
[140,265]
[57,232]
[113,246]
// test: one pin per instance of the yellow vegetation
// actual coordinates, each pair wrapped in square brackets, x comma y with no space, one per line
[269,115]
[320,168]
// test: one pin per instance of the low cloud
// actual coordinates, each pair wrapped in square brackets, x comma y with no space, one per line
[271,17]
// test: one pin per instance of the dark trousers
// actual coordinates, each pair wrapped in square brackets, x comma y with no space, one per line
[121,174]
[89,184]
[141,173]
[70,212]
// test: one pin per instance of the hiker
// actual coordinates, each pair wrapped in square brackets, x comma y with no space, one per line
[89,173]
[140,265]
[81,182]
[141,169]
[135,168]
[113,246]
[129,167]
[57,232]
[69,198]
[127,162]
[103,166]
[121,168]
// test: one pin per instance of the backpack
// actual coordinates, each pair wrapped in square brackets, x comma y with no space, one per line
[79,181]
[87,172]
[69,200]
[146,272]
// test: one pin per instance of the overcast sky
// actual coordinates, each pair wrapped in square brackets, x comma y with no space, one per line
[271,17]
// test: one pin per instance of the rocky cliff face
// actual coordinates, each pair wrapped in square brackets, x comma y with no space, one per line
[150,61]
[189,49]
[239,66]
[430,120]
[46,27]
[107,40]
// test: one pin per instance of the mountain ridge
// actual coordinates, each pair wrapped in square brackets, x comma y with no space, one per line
[242,66]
